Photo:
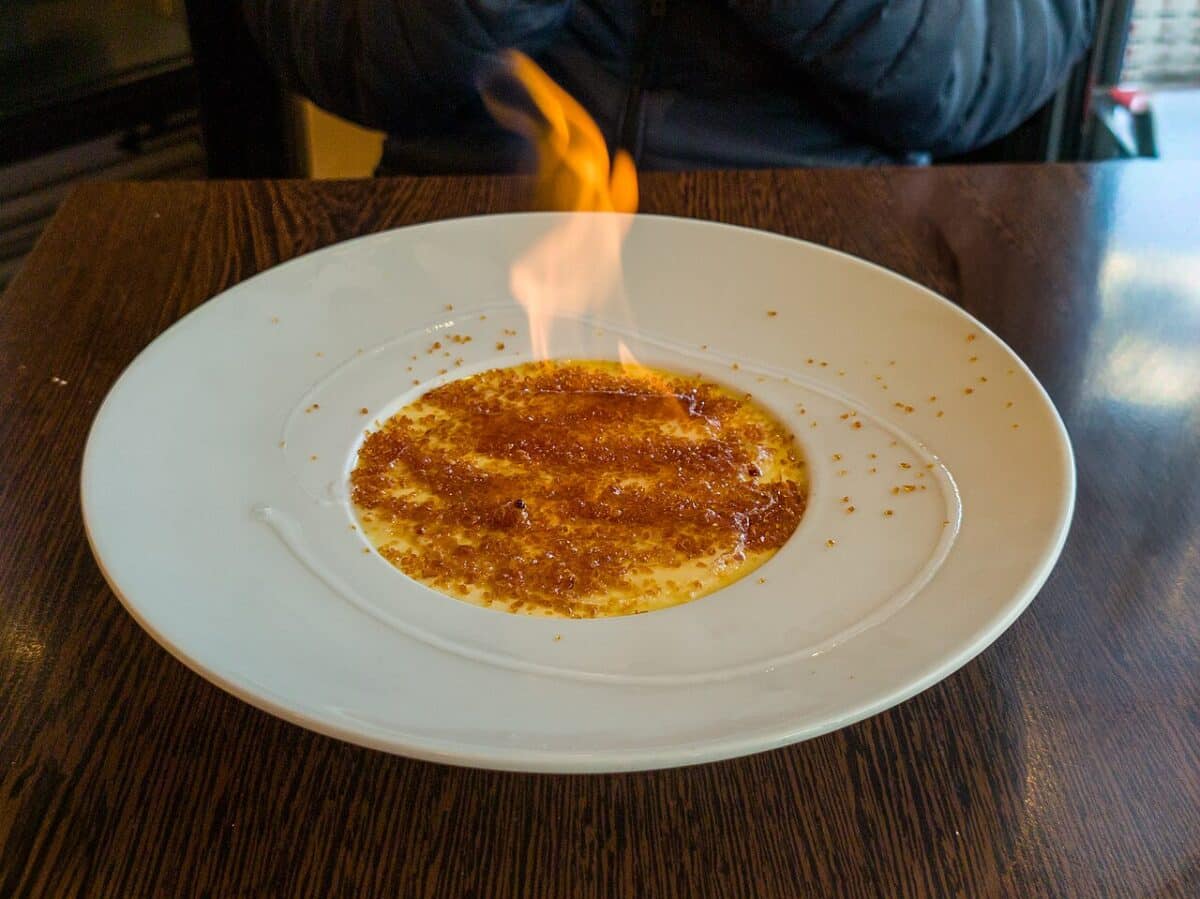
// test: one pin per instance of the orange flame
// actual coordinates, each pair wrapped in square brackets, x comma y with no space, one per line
[628,360]
[652,379]
[576,268]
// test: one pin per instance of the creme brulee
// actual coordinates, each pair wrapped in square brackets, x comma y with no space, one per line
[579,489]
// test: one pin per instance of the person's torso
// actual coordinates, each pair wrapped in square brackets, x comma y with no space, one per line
[681,84]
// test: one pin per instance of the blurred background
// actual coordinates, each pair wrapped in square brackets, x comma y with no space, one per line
[141,89]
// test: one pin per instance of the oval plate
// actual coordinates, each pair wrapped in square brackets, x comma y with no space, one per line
[214,495]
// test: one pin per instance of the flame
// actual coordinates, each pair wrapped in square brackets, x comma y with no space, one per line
[628,360]
[654,380]
[576,268]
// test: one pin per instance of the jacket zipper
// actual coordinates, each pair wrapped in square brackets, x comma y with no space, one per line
[630,138]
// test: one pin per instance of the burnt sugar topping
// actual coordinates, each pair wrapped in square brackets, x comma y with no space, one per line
[579,489]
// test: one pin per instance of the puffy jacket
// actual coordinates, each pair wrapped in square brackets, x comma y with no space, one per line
[685,83]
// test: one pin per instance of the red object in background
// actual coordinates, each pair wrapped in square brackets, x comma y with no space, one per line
[1134,100]
[1137,102]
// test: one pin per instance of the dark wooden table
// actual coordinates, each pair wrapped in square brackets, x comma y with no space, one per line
[1064,761]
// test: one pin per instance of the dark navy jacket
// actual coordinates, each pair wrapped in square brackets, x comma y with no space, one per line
[685,83]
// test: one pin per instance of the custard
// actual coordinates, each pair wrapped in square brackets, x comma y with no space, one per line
[579,489]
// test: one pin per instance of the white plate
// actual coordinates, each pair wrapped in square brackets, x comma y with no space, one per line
[217,507]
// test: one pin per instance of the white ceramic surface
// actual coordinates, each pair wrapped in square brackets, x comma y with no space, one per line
[214,494]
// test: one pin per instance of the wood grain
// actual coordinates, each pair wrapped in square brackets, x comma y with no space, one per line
[1064,761]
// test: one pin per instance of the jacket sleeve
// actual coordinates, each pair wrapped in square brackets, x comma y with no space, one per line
[943,76]
[396,65]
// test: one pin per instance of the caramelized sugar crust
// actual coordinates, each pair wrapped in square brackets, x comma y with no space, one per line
[579,489]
